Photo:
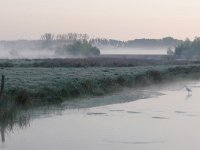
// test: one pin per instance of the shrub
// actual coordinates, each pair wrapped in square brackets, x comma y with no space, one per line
[22,97]
[154,76]
[79,48]
[189,49]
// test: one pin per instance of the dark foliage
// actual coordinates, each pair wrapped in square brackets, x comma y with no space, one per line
[80,48]
[22,97]
[189,49]
[137,43]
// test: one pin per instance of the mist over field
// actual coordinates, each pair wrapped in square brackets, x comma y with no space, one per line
[133,51]
[76,45]
[26,54]
[47,53]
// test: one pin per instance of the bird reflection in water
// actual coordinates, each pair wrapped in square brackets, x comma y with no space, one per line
[188,96]
[189,90]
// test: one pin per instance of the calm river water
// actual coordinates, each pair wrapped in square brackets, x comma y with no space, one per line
[160,119]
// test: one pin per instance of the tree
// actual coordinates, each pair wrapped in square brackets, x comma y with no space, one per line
[170,51]
[48,37]
[79,48]
[189,49]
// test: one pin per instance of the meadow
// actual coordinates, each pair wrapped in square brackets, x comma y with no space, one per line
[40,85]
[99,61]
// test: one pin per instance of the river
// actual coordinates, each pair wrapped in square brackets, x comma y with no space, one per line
[153,118]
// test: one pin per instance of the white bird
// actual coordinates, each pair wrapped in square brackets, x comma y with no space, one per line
[188,89]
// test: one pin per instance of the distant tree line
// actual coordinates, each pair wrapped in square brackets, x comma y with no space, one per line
[64,37]
[188,49]
[51,41]
[103,42]
[137,43]
[72,41]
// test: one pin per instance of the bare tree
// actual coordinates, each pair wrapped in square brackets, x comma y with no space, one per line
[48,37]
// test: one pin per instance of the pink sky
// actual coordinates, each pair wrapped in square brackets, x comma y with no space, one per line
[119,19]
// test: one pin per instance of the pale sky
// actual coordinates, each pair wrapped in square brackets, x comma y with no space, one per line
[119,19]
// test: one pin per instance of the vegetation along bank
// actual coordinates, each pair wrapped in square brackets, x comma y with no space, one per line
[38,86]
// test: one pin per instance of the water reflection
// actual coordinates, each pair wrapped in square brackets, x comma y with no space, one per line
[188,96]
[2,134]
[12,118]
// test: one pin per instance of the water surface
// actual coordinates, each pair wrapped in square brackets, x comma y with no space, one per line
[170,120]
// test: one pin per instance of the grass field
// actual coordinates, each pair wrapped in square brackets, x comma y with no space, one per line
[36,85]
[101,61]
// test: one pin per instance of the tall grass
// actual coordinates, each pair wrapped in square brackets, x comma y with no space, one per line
[27,86]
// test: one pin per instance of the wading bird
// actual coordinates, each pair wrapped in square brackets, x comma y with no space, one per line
[188,89]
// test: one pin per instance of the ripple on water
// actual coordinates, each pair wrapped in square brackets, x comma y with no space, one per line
[136,143]
[119,110]
[96,113]
[192,115]
[133,112]
[156,117]
[180,112]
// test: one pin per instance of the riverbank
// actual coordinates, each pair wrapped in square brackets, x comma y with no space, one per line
[40,86]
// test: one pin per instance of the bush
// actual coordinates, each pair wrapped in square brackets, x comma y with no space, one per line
[189,49]
[22,97]
[154,76]
[79,48]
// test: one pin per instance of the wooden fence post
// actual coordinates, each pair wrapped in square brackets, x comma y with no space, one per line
[2,85]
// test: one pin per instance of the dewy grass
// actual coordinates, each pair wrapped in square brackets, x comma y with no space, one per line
[31,85]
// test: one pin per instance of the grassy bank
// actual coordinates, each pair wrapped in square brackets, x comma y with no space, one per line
[36,86]
[101,61]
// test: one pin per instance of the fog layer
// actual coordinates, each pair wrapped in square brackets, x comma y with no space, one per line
[45,54]
[133,51]
[51,46]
